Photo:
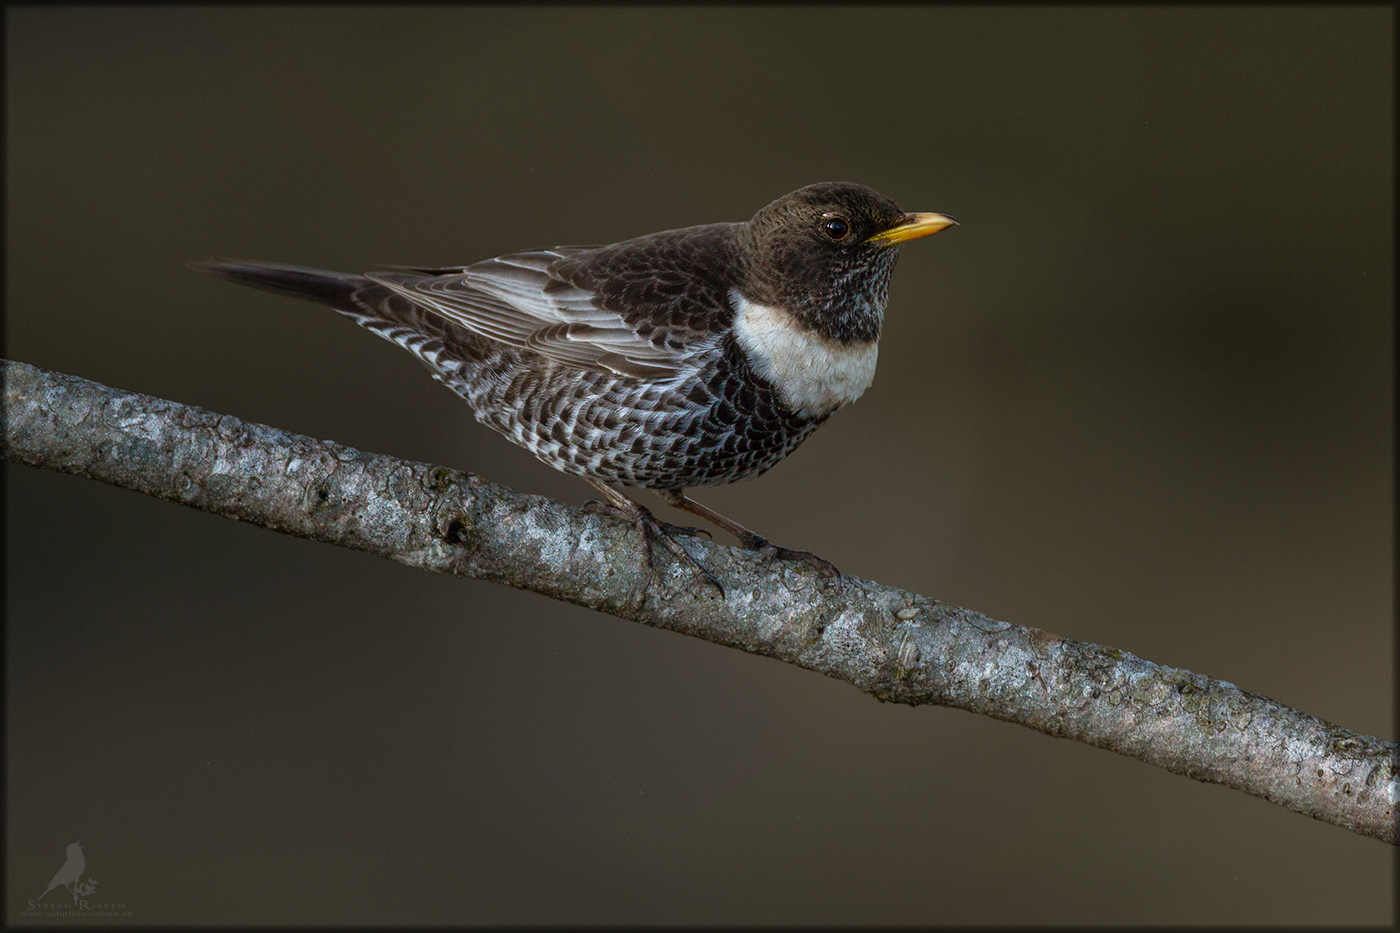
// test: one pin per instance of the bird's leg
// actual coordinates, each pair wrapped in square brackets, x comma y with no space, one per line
[677,498]
[652,529]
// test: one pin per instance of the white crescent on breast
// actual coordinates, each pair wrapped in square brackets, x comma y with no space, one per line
[813,374]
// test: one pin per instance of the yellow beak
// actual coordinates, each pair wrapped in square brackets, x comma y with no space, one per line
[913,227]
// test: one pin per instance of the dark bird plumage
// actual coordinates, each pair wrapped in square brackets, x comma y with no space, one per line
[692,357]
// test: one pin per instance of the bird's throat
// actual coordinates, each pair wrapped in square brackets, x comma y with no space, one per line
[814,375]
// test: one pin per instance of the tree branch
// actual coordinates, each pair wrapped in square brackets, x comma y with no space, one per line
[897,646]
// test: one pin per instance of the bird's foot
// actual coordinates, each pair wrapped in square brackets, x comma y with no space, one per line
[768,549]
[655,530]
[598,506]
[676,498]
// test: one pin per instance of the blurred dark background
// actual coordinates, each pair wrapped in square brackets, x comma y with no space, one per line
[1142,396]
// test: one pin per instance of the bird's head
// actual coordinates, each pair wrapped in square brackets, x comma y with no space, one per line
[825,253]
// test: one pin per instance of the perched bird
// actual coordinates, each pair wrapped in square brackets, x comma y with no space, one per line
[693,357]
[71,871]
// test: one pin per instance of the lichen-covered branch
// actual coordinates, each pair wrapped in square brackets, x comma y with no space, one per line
[897,646]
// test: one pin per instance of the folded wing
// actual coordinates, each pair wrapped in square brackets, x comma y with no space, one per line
[515,300]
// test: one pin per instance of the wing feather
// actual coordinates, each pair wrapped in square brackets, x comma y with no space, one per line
[515,300]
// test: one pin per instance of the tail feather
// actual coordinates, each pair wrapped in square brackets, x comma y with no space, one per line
[439,344]
[336,289]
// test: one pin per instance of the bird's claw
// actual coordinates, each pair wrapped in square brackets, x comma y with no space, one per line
[653,528]
[773,551]
[683,530]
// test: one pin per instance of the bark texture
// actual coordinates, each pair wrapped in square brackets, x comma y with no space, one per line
[895,645]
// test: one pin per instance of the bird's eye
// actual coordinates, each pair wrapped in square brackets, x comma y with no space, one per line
[836,228]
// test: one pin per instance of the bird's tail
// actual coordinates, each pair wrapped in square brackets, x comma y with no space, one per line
[437,343]
[336,289]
